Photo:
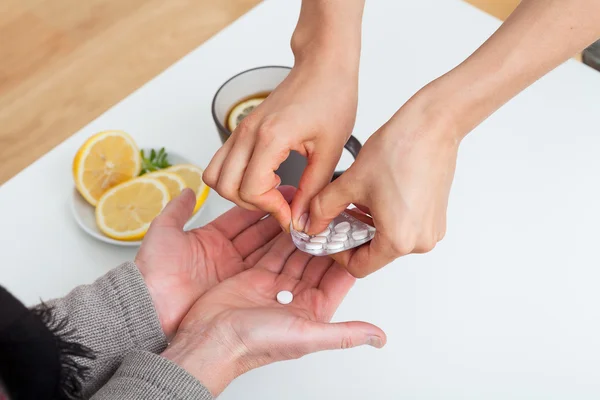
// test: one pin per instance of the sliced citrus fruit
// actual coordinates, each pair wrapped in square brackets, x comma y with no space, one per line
[105,160]
[192,175]
[125,211]
[172,181]
[240,111]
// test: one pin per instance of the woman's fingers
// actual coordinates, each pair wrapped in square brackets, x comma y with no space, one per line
[234,168]
[316,176]
[259,180]
[213,170]
[332,200]
[236,220]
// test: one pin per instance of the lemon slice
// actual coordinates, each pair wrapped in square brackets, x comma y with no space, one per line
[240,112]
[192,175]
[125,211]
[172,181]
[105,160]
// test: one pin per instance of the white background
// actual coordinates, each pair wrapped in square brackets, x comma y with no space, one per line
[507,306]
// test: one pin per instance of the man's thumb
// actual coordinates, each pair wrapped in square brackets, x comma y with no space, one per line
[178,211]
[343,335]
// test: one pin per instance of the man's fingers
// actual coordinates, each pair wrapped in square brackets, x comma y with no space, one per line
[330,202]
[256,236]
[319,336]
[315,177]
[315,270]
[178,211]
[277,256]
[236,220]
[296,265]
[259,253]
[336,283]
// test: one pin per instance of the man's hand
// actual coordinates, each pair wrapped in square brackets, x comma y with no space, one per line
[239,325]
[178,267]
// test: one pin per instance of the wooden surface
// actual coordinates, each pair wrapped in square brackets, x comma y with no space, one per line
[65,62]
[498,8]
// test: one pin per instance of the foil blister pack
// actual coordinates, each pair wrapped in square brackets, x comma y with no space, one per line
[343,233]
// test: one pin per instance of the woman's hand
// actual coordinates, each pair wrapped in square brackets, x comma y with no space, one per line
[402,178]
[239,325]
[178,267]
[312,112]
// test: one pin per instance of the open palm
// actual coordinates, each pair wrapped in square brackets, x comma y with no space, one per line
[178,267]
[242,312]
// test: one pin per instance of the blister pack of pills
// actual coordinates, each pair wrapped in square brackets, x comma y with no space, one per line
[343,233]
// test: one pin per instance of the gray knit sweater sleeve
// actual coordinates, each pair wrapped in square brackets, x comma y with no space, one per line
[113,316]
[144,375]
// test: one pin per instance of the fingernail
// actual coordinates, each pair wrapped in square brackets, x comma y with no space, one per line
[302,222]
[374,341]
[307,226]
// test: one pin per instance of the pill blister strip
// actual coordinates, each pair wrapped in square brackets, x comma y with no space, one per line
[343,233]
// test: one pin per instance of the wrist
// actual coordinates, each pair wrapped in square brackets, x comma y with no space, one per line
[457,102]
[206,357]
[430,116]
[328,31]
[167,322]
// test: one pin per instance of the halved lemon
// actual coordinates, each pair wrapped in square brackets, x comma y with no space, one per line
[105,160]
[172,181]
[240,111]
[125,211]
[192,175]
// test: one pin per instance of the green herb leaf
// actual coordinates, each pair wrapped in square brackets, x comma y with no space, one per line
[155,161]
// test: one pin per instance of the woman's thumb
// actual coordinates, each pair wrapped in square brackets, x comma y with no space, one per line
[329,203]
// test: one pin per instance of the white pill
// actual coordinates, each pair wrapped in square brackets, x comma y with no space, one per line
[318,239]
[313,246]
[339,237]
[360,234]
[285,297]
[342,227]
[335,245]
[325,233]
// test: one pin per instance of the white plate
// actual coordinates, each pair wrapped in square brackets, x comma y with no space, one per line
[85,215]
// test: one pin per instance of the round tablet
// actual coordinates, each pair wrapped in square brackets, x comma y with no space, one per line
[313,246]
[285,297]
[335,245]
[325,233]
[360,234]
[342,227]
[339,237]
[318,239]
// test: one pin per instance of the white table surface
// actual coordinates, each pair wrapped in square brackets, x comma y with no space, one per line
[507,306]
